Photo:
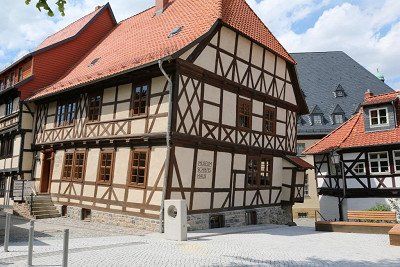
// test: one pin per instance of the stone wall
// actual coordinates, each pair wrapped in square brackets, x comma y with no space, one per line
[113,218]
[266,215]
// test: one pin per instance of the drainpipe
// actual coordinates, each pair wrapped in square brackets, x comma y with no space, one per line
[168,140]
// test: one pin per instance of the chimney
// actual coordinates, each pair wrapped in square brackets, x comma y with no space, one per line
[161,5]
[97,8]
[368,94]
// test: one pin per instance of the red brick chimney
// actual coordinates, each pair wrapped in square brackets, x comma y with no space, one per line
[368,94]
[161,5]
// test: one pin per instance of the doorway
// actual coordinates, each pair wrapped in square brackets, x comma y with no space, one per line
[46,172]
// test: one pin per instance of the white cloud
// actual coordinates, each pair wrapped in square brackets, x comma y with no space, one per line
[354,29]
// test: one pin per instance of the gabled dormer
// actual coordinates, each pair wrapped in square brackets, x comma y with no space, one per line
[339,92]
[316,116]
[338,115]
[381,112]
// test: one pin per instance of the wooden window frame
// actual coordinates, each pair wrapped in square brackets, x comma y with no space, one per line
[270,172]
[133,100]
[131,168]
[90,108]
[63,121]
[98,179]
[256,172]
[273,121]
[20,74]
[239,114]
[396,158]
[73,166]
[9,107]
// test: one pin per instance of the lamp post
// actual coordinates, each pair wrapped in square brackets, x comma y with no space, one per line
[337,161]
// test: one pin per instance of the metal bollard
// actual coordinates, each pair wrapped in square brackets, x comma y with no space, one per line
[65,248]
[7,232]
[30,242]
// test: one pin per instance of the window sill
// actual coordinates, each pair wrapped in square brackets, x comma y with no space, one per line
[103,183]
[137,186]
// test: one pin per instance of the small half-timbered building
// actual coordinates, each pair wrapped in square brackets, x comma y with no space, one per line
[191,100]
[358,165]
[19,81]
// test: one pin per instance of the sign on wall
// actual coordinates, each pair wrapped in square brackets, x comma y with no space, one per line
[204,169]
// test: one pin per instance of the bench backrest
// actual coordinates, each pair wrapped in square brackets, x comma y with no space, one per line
[372,215]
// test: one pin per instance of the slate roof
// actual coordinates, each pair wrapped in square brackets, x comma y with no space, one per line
[352,134]
[143,39]
[320,74]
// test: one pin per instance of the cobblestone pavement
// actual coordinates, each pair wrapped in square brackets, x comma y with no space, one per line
[258,245]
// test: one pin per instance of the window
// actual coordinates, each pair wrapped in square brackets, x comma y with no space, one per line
[138,168]
[306,186]
[302,215]
[1,85]
[269,120]
[217,221]
[6,147]
[106,167]
[19,74]
[252,171]
[338,118]
[94,107]
[259,171]
[266,171]
[396,158]
[251,217]
[9,106]
[379,162]
[10,80]
[359,168]
[317,119]
[79,166]
[68,164]
[339,94]
[65,114]
[244,111]
[378,117]
[300,148]
[139,99]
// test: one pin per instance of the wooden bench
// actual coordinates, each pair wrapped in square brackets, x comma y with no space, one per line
[394,235]
[375,216]
[368,222]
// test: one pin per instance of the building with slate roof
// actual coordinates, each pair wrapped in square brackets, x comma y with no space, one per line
[333,85]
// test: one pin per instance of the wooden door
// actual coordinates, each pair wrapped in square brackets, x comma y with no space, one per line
[46,172]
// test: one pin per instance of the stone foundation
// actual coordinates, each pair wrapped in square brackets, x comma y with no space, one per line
[148,224]
[22,209]
[268,215]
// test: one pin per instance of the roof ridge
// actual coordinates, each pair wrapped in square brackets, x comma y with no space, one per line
[81,18]
[333,132]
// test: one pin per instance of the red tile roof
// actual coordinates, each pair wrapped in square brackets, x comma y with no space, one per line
[380,99]
[143,39]
[352,134]
[299,162]
[70,31]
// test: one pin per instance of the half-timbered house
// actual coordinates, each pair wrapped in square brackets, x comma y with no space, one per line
[42,67]
[191,100]
[358,165]
[333,85]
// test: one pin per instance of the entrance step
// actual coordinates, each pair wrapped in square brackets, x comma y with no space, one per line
[42,207]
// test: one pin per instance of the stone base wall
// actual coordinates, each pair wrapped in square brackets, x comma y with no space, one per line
[22,209]
[124,220]
[266,215]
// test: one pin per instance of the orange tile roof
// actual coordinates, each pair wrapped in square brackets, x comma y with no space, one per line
[68,32]
[380,99]
[352,134]
[143,39]
[299,162]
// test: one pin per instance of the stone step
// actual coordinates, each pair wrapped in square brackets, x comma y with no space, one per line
[47,216]
[50,210]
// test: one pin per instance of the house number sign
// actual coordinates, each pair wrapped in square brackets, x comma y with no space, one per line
[204,169]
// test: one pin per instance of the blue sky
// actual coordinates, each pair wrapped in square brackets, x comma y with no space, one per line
[367,30]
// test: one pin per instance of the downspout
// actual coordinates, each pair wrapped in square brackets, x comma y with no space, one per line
[168,141]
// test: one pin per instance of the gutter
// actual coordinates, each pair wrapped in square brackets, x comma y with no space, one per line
[168,142]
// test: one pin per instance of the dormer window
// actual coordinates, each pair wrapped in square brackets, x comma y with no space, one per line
[338,118]
[339,92]
[378,117]
[317,119]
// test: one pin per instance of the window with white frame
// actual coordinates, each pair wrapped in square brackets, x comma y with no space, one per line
[359,168]
[379,117]
[396,158]
[317,119]
[379,162]
[338,118]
